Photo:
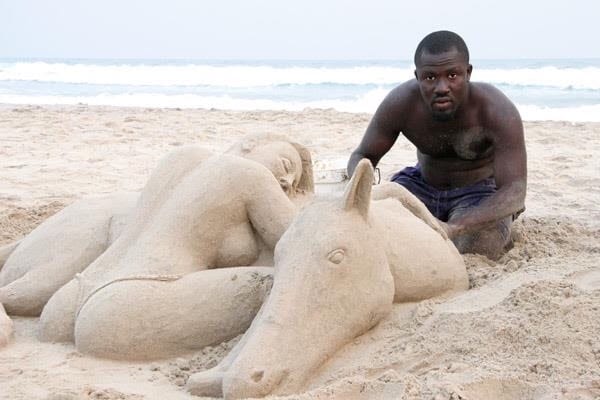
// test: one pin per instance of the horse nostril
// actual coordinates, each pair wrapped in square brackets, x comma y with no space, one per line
[257,375]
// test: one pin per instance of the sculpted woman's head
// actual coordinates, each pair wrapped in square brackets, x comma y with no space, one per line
[290,162]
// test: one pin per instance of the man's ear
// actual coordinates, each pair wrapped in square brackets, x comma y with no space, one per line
[469,70]
[416,76]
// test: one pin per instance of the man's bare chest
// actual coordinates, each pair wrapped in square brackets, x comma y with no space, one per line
[467,144]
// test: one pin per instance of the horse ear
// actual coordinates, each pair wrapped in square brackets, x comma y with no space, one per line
[358,191]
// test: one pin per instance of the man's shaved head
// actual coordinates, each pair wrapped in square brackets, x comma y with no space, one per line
[440,42]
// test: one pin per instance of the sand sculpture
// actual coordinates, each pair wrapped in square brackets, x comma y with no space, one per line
[6,327]
[338,269]
[157,290]
[63,245]
[198,211]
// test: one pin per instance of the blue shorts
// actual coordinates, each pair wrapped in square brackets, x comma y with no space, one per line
[444,204]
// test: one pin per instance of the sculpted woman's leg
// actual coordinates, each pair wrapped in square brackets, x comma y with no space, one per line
[57,321]
[60,247]
[6,251]
[152,317]
[6,327]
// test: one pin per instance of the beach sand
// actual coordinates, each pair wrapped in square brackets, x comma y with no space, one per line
[527,329]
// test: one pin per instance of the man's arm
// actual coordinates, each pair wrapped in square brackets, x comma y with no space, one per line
[383,130]
[510,172]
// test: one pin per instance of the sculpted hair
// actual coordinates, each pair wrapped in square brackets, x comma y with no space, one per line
[439,42]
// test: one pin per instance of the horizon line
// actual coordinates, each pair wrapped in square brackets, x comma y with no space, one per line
[205,59]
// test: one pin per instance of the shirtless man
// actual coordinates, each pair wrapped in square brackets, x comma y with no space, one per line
[472,164]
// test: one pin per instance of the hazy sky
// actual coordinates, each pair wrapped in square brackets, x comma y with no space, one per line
[300,29]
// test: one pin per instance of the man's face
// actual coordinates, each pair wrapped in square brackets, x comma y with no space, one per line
[444,82]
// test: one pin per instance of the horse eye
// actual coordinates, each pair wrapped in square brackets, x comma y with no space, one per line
[336,256]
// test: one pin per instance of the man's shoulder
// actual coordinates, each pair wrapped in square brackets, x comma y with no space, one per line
[492,102]
[488,93]
[496,112]
[403,94]
[401,102]
[410,87]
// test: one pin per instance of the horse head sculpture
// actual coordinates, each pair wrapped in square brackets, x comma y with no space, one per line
[332,283]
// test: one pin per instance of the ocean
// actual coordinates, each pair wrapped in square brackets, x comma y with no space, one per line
[565,89]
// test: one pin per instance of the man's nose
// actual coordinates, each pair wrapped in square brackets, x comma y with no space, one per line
[442,86]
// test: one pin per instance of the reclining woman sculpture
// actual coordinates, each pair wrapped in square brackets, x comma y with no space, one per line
[197,211]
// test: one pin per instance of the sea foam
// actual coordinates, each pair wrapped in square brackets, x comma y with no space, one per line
[542,90]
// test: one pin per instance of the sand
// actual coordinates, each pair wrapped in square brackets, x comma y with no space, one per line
[527,329]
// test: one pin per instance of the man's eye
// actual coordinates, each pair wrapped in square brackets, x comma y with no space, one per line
[430,78]
[452,75]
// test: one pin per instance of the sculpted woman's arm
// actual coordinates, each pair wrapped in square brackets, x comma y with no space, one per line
[288,173]
[270,210]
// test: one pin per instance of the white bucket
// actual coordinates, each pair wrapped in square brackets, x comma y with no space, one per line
[330,180]
[330,174]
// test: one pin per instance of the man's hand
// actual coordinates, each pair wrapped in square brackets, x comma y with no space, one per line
[452,230]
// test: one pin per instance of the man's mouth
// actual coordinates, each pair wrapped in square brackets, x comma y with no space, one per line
[442,103]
